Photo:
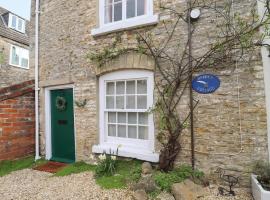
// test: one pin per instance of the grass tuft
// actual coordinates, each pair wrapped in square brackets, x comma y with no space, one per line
[6,167]
[126,172]
[75,168]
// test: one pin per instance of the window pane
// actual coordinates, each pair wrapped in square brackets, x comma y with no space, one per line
[122,118]
[143,118]
[132,132]
[142,102]
[112,130]
[141,87]
[109,102]
[112,117]
[108,14]
[132,118]
[130,87]
[131,102]
[15,57]
[117,12]
[110,88]
[143,132]
[121,131]
[14,22]
[130,8]
[108,2]
[120,102]
[120,87]
[141,7]
[24,63]
[20,25]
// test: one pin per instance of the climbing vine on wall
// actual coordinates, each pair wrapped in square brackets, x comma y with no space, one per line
[235,37]
[112,52]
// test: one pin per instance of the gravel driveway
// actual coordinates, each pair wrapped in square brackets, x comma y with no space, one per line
[30,184]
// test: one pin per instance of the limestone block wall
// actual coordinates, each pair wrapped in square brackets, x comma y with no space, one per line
[65,42]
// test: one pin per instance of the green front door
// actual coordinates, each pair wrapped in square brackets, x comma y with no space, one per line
[62,126]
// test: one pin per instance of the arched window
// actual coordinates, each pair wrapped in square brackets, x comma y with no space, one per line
[125,120]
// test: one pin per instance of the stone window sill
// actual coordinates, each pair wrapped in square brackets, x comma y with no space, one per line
[124,25]
[125,151]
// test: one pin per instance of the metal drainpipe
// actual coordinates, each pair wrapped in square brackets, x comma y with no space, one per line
[37,79]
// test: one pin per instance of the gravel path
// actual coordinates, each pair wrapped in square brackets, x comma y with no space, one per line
[241,194]
[35,185]
[30,184]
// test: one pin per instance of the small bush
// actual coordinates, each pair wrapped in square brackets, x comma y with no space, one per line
[126,172]
[106,165]
[166,180]
[262,170]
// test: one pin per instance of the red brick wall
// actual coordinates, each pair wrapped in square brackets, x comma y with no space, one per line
[17,121]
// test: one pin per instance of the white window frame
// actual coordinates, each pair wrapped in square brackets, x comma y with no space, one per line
[17,23]
[126,23]
[135,148]
[10,57]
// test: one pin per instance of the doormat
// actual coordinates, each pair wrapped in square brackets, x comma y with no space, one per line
[51,167]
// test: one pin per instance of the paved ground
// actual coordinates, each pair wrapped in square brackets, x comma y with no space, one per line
[29,185]
[35,185]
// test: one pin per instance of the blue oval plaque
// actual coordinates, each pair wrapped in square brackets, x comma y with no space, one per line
[206,83]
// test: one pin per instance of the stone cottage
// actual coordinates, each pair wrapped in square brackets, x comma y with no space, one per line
[87,109]
[14,48]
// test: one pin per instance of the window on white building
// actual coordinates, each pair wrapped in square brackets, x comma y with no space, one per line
[125,120]
[19,57]
[16,23]
[121,14]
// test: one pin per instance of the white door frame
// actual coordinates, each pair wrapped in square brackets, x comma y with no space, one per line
[48,131]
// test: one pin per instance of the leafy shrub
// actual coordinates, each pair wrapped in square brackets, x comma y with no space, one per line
[106,165]
[166,180]
[262,170]
[126,172]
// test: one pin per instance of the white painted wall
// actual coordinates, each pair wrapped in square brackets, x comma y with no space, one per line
[266,65]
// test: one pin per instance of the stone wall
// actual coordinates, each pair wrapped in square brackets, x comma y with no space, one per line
[17,121]
[10,75]
[65,41]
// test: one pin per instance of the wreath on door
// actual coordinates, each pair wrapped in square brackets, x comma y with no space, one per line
[61,103]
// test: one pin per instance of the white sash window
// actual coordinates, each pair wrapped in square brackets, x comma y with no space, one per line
[115,15]
[19,57]
[126,98]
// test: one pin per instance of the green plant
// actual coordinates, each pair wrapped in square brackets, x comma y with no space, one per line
[262,170]
[7,167]
[75,169]
[106,165]
[81,104]
[166,180]
[126,172]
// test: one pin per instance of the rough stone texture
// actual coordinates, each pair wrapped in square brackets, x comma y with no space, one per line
[65,41]
[10,75]
[140,195]
[187,190]
[17,121]
[146,168]
[165,196]
[146,183]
